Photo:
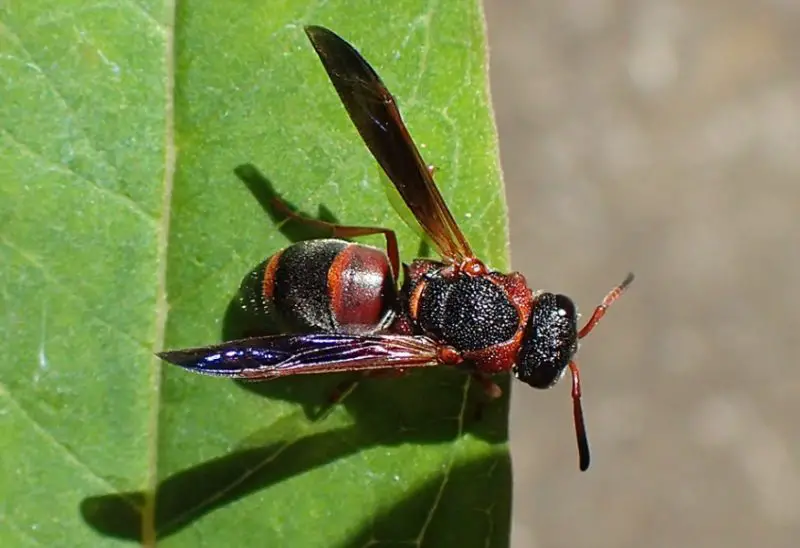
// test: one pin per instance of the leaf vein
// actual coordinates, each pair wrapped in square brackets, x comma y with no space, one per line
[124,200]
[161,303]
[446,476]
[69,455]
[73,295]
[231,486]
[51,18]
[50,83]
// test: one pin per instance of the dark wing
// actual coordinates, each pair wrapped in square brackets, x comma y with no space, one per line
[262,358]
[374,112]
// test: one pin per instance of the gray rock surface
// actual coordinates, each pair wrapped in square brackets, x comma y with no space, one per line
[661,137]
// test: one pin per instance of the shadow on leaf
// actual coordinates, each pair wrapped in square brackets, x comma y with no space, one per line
[414,409]
[192,493]
[241,319]
[264,192]
[470,506]
[476,496]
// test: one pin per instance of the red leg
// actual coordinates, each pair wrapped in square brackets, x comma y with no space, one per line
[490,390]
[342,231]
[338,395]
[577,417]
[347,387]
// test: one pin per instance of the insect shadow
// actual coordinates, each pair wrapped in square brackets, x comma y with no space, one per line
[470,506]
[482,488]
[241,321]
[423,407]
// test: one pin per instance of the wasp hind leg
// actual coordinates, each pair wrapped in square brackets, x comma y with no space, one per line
[347,387]
[345,231]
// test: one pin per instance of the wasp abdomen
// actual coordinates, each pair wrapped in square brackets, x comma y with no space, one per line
[324,285]
[469,313]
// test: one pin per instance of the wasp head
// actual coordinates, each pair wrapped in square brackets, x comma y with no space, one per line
[550,341]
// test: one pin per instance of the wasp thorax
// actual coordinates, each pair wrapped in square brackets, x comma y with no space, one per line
[550,341]
[468,313]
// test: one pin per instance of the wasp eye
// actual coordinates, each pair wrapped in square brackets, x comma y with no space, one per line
[550,341]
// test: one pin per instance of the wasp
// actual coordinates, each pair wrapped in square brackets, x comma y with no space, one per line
[341,303]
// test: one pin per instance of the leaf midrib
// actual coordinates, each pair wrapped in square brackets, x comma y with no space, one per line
[148,530]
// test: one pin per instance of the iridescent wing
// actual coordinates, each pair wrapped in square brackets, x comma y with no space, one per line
[262,358]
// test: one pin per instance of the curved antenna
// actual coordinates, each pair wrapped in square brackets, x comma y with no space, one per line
[609,299]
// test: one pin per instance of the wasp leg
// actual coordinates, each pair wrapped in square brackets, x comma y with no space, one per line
[347,387]
[342,390]
[344,231]
[490,388]
[491,392]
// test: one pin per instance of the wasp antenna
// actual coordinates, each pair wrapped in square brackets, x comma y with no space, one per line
[608,300]
[627,281]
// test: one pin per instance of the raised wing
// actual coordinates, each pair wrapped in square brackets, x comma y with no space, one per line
[374,112]
[262,358]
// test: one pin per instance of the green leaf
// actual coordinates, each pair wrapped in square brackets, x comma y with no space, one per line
[136,141]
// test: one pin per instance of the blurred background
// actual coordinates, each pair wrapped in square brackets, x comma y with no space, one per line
[661,137]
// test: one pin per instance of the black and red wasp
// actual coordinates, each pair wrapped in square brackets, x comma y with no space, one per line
[340,304]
